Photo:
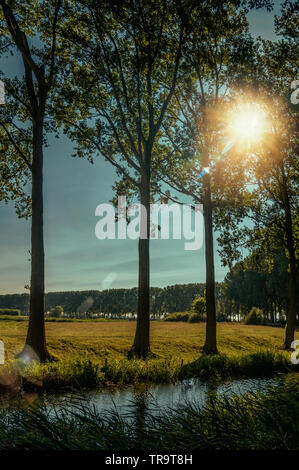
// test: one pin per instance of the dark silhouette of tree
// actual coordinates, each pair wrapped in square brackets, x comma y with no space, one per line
[24,129]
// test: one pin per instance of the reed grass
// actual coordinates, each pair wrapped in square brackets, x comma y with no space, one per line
[253,421]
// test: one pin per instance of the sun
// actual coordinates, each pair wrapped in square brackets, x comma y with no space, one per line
[248,125]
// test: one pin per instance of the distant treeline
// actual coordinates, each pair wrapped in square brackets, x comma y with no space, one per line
[176,298]
[242,289]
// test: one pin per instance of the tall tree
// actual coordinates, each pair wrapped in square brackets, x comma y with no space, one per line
[30,30]
[214,57]
[286,25]
[273,167]
[275,205]
[131,53]
[276,164]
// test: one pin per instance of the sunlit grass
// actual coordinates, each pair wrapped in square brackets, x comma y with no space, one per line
[93,354]
[112,339]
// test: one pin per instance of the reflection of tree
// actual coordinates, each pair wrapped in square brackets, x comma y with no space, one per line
[141,408]
[212,387]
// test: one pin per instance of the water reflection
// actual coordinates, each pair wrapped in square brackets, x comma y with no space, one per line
[156,399]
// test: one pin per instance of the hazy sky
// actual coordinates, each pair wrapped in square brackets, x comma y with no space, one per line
[75,258]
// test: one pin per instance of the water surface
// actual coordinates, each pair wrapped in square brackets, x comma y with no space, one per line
[159,398]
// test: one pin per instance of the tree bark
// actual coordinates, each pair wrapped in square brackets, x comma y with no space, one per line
[210,346]
[291,317]
[35,344]
[141,345]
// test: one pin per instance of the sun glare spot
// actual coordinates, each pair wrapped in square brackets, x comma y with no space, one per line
[247,124]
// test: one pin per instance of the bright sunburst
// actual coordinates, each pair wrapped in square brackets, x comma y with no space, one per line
[247,125]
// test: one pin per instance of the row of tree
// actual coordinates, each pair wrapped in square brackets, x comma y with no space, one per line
[255,282]
[150,86]
[176,298]
[249,284]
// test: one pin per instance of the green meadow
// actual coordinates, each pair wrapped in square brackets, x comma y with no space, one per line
[92,354]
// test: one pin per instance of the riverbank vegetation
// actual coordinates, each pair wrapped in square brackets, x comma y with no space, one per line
[253,421]
[84,374]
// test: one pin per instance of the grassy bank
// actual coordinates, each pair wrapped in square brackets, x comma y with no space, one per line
[262,421]
[93,354]
[83,374]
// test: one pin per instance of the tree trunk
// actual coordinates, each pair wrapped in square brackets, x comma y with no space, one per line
[291,318]
[210,346]
[272,315]
[35,345]
[141,345]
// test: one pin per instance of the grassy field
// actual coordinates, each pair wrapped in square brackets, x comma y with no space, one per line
[97,340]
[93,354]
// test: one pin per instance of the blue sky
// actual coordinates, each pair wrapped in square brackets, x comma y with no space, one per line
[75,258]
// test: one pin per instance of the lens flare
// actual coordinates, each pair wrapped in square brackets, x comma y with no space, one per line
[247,125]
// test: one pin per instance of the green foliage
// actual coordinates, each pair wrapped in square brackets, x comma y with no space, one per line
[58,375]
[56,312]
[82,373]
[136,371]
[199,305]
[177,316]
[262,278]
[196,318]
[189,317]
[13,318]
[23,318]
[38,61]
[173,298]
[77,320]
[255,317]
[10,311]
[134,90]
[221,366]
